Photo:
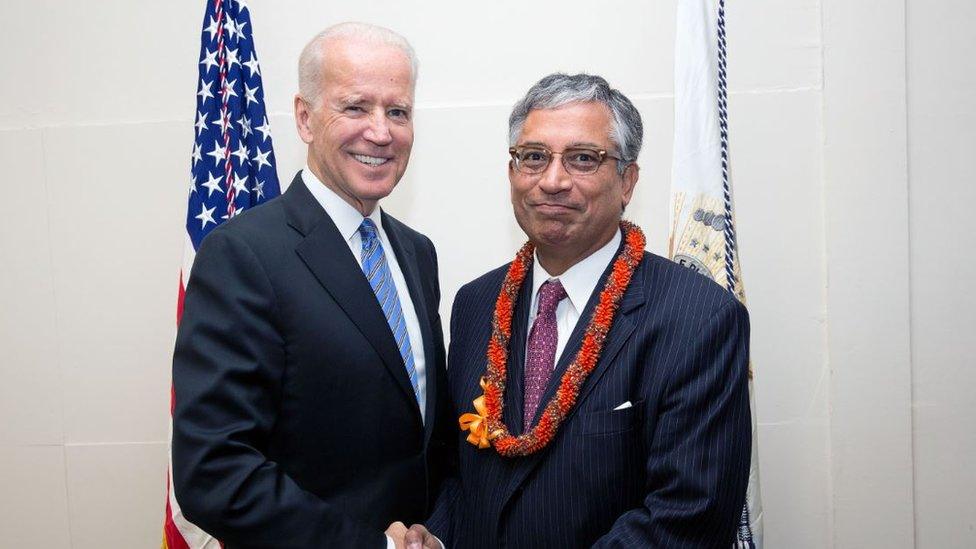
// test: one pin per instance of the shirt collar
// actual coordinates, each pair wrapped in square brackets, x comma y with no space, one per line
[581,279]
[346,218]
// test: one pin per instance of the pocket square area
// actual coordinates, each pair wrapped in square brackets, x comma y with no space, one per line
[623,406]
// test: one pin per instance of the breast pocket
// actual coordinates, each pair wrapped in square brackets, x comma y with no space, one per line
[605,422]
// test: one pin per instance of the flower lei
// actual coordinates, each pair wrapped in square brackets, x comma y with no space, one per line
[486,426]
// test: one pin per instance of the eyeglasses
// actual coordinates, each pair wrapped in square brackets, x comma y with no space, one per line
[577,161]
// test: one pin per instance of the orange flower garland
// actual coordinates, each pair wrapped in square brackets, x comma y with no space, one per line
[486,426]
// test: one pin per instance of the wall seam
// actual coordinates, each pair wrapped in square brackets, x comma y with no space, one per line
[911,292]
[825,273]
[57,334]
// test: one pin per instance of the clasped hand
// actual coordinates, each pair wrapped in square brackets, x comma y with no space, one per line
[415,537]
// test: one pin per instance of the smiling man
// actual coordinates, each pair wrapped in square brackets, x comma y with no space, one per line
[602,389]
[310,406]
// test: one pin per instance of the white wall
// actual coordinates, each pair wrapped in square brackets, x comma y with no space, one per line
[850,128]
[941,146]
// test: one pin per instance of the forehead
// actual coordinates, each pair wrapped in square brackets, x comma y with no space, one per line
[364,68]
[568,125]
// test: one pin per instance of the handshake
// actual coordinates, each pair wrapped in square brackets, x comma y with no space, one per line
[415,537]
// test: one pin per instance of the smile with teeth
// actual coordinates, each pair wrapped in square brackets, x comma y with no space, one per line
[370,160]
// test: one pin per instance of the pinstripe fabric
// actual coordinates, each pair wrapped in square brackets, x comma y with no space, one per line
[380,278]
[669,471]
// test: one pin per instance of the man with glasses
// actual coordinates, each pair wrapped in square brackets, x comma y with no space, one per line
[601,389]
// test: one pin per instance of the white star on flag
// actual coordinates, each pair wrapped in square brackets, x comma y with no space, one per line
[218,154]
[262,158]
[210,60]
[259,189]
[206,215]
[224,121]
[265,130]
[240,184]
[252,65]
[201,122]
[205,91]
[212,28]
[230,27]
[196,156]
[241,153]
[212,184]
[228,90]
[251,95]
[245,124]
[232,58]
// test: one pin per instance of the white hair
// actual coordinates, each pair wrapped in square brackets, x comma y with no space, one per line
[310,61]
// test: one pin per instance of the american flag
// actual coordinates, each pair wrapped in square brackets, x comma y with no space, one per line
[232,168]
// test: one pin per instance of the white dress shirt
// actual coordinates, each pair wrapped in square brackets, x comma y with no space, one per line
[348,219]
[579,281]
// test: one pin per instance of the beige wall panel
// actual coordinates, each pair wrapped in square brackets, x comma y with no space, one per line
[118,203]
[793,463]
[105,61]
[33,501]
[116,494]
[30,395]
[773,44]
[779,212]
[866,192]
[942,139]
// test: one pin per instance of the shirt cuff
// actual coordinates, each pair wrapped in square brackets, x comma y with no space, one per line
[389,543]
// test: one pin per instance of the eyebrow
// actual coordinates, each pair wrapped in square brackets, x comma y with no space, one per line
[573,145]
[351,99]
[586,144]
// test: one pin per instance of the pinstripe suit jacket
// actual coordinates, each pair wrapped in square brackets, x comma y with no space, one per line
[670,471]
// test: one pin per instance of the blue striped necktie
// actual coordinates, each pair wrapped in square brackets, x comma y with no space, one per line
[381,280]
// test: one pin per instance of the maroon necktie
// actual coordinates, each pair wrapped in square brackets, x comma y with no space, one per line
[541,355]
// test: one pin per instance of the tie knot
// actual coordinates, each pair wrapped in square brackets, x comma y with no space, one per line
[550,294]
[367,229]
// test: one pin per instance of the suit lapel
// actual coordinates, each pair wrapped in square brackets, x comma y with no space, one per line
[406,256]
[620,332]
[515,382]
[327,255]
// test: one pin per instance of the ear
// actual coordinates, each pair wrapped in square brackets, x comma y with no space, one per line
[303,116]
[631,173]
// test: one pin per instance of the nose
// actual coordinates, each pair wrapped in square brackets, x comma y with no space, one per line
[378,131]
[555,179]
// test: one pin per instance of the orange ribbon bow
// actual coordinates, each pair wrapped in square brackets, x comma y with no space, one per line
[477,423]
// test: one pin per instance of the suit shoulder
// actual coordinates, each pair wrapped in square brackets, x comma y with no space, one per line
[669,284]
[258,219]
[405,230]
[262,228]
[488,283]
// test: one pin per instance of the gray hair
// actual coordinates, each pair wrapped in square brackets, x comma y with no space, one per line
[310,61]
[558,89]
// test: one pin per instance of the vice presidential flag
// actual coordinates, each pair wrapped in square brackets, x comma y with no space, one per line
[232,169]
[702,234]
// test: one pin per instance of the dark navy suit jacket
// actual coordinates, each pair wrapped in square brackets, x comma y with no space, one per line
[295,424]
[669,471]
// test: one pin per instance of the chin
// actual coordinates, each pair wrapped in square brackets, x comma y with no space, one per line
[550,234]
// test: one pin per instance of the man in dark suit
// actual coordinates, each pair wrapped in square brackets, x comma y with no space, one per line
[615,409]
[309,378]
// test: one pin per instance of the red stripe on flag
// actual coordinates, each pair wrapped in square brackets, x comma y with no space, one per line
[172,537]
[179,300]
